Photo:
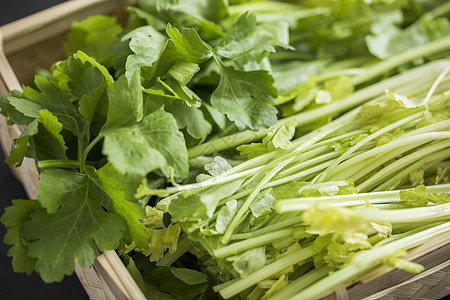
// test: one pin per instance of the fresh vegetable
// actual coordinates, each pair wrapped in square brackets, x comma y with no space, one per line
[134,135]
[232,214]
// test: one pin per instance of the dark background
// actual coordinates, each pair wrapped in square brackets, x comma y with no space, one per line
[13,285]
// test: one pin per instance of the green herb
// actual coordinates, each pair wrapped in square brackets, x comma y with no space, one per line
[133,135]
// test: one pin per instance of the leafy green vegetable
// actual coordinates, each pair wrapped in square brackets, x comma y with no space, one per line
[133,136]
[387,39]
[245,97]
[152,143]
[95,36]
[121,189]
[61,237]
[200,14]
[147,44]
[13,219]
[150,291]
[243,37]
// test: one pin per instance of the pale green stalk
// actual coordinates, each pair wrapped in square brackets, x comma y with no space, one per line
[304,175]
[308,161]
[401,83]
[235,248]
[372,137]
[303,203]
[408,215]
[220,179]
[243,210]
[402,58]
[58,163]
[267,272]
[266,229]
[351,167]
[302,282]
[266,284]
[431,160]
[368,259]
[423,155]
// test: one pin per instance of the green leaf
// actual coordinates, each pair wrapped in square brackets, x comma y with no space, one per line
[28,108]
[295,78]
[184,46]
[95,36]
[150,19]
[84,78]
[217,167]
[42,138]
[153,143]
[20,145]
[149,290]
[51,124]
[179,283]
[419,197]
[189,45]
[182,92]
[387,39]
[329,188]
[147,45]
[371,111]
[246,98]
[288,190]
[189,276]
[55,186]
[263,204]
[160,240]
[58,239]
[125,102]
[8,110]
[48,141]
[183,71]
[200,14]
[253,150]
[51,98]
[13,220]
[225,216]
[85,81]
[280,138]
[243,37]
[249,261]
[86,58]
[191,118]
[201,205]
[218,118]
[277,138]
[121,189]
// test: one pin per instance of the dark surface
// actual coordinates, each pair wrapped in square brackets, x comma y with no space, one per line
[13,285]
[11,10]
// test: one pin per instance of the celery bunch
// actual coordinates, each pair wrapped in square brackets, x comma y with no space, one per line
[303,207]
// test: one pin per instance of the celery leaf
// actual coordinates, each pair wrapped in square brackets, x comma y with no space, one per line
[58,239]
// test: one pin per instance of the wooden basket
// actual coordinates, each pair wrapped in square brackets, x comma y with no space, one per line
[36,41]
